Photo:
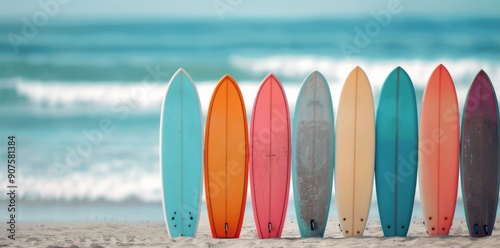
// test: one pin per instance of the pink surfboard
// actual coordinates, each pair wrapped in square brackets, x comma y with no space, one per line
[270,158]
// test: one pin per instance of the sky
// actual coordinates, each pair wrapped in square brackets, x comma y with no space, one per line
[12,10]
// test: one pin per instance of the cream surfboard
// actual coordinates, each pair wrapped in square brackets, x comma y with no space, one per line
[354,153]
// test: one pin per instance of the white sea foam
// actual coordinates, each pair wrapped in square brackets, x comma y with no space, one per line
[462,70]
[67,95]
[92,186]
[295,68]
[63,95]
[292,70]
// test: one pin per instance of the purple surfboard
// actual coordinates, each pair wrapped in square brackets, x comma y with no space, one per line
[480,156]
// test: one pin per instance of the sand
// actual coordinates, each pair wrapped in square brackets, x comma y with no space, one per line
[101,234]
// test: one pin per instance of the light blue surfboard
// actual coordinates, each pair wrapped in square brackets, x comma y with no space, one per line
[396,155]
[313,155]
[181,167]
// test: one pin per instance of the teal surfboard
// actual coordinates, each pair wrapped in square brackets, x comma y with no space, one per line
[181,156]
[396,155]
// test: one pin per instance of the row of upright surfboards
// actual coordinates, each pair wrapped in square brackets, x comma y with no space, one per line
[309,148]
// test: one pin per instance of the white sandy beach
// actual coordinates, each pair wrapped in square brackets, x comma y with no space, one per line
[102,234]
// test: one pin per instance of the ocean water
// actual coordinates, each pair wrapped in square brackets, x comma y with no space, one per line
[83,98]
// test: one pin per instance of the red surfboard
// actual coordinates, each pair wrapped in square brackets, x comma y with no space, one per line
[270,158]
[439,152]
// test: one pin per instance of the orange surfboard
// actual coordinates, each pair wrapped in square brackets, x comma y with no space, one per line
[439,152]
[226,159]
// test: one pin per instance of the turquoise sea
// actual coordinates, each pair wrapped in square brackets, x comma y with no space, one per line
[61,85]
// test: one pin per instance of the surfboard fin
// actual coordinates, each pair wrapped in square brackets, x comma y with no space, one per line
[476,229]
[269,227]
[226,227]
[486,231]
[313,225]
